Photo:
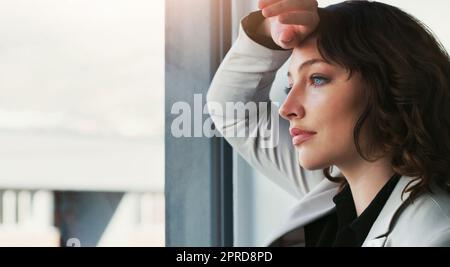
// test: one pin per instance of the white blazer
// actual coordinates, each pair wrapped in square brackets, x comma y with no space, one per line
[246,75]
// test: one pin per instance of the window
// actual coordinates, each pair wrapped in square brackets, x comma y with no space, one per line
[81,122]
[198,169]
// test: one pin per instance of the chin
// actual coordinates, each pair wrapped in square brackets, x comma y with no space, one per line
[312,164]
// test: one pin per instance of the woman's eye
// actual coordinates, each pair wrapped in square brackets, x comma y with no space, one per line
[318,80]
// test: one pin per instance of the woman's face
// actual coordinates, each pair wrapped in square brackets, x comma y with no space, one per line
[322,107]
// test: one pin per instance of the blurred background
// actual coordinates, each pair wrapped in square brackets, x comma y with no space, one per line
[81,122]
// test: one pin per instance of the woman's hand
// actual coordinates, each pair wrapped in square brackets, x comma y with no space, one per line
[289,22]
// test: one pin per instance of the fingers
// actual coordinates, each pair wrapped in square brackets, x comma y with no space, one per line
[283,6]
[297,18]
[291,20]
[287,40]
[291,35]
[287,37]
[264,3]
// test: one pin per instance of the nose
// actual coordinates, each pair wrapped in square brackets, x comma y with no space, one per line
[292,108]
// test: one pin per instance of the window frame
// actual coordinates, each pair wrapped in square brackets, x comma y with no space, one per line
[198,187]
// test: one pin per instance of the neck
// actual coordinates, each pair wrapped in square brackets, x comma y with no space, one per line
[366,179]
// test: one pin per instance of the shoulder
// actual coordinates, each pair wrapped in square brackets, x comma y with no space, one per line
[425,221]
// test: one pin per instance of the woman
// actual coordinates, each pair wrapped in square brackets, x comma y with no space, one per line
[369,93]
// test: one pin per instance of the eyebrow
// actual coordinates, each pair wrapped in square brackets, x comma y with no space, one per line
[308,63]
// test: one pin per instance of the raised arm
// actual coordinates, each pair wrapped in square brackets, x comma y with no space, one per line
[246,76]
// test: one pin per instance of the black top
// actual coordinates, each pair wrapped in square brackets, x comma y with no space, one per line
[342,227]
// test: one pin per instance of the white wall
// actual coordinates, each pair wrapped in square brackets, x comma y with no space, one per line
[434,13]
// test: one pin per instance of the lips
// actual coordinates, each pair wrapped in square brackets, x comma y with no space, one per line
[300,136]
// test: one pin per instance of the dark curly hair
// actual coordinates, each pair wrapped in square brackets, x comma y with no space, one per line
[407,73]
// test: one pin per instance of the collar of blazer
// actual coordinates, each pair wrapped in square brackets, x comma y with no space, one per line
[388,216]
[319,201]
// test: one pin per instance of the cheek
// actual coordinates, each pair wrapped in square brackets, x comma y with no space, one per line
[343,107]
[335,117]
[330,146]
[338,124]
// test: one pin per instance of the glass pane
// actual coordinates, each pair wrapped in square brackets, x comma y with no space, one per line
[82,86]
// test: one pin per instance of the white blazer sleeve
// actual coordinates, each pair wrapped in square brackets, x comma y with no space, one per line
[246,75]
